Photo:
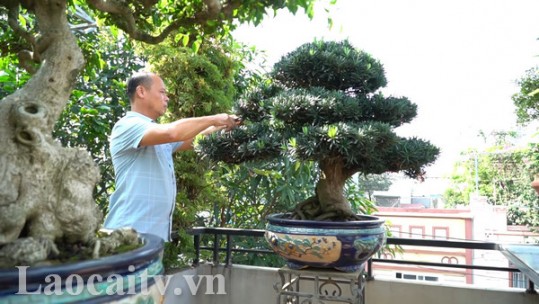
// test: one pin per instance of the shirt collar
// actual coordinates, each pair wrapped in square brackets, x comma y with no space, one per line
[137,114]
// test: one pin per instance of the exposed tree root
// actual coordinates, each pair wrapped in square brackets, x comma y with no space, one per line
[311,209]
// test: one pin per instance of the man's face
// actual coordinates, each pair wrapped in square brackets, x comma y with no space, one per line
[156,97]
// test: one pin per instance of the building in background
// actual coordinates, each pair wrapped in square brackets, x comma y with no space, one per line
[420,219]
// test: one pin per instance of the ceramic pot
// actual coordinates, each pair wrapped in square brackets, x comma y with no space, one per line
[345,246]
[127,278]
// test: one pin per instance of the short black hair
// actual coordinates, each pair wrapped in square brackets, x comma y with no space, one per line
[141,78]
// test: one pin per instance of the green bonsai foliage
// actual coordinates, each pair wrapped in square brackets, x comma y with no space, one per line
[322,105]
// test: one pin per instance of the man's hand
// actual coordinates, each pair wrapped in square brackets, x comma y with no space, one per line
[227,121]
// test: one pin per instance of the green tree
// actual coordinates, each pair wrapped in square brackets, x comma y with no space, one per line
[527,100]
[373,182]
[503,174]
[324,106]
[198,84]
[41,174]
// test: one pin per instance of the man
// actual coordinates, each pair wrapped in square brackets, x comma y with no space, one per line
[142,151]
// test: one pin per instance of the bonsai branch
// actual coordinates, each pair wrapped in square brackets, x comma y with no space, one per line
[27,58]
[126,17]
[13,21]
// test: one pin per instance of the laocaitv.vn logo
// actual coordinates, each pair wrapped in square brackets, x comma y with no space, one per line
[133,283]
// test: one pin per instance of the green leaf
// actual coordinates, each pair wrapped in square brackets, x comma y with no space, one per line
[533,93]
[22,21]
[332,131]
[196,46]
[185,40]
[292,142]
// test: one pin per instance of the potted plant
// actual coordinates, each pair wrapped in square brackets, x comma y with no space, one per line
[323,104]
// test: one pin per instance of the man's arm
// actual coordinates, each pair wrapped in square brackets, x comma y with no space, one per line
[185,130]
[188,144]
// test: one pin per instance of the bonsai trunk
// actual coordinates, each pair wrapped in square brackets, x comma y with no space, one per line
[46,189]
[329,203]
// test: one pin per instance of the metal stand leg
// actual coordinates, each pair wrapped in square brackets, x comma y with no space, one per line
[320,285]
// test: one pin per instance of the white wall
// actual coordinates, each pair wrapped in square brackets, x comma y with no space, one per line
[255,285]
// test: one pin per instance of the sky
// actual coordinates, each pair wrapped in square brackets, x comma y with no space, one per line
[457,60]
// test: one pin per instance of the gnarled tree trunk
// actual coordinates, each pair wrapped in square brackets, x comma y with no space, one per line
[330,189]
[329,203]
[45,189]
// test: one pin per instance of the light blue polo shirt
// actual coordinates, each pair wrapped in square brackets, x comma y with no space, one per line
[145,192]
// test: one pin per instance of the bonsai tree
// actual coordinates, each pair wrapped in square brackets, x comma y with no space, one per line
[46,199]
[323,105]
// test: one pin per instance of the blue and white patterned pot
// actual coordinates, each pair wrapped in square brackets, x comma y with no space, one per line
[341,245]
[124,278]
